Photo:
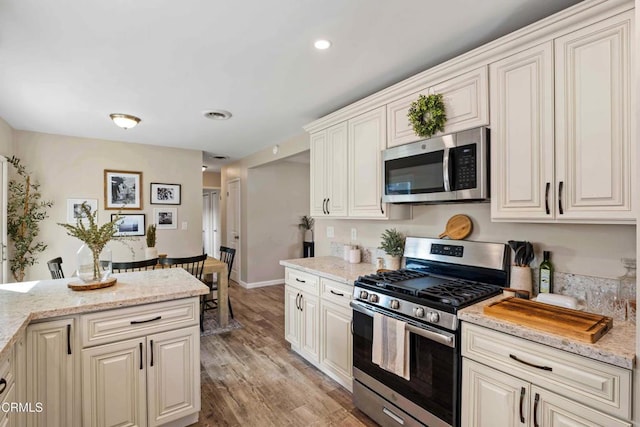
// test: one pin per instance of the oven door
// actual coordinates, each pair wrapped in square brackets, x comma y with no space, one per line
[434,369]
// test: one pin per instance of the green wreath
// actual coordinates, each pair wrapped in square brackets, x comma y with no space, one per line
[427,115]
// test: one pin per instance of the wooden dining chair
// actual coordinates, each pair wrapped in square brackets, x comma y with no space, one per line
[124,267]
[193,264]
[55,268]
[209,302]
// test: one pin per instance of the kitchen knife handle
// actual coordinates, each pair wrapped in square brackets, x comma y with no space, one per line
[522,392]
[546,198]
[535,410]
[560,187]
[544,368]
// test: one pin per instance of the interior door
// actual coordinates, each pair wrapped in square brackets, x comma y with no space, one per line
[206,224]
[215,223]
[233,225]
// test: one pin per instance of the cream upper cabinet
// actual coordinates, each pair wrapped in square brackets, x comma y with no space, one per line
[366,142]
[329,171]
[466,105]
[595,157]
[571,161]
[522,143]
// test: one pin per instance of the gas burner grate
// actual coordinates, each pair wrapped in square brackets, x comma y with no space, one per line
[458,292]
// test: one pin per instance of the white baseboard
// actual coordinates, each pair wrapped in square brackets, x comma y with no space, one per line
[261,284]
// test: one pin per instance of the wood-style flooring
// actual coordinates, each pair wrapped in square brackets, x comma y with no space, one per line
[250,376]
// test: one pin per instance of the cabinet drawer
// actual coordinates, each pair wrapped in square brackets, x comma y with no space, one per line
[339,293]
[301,280]
[120,324]
[596,384]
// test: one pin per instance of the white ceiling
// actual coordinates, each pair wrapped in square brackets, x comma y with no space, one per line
[65,65]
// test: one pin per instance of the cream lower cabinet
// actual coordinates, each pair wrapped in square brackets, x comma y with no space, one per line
[318,323]
[141,365]
[572,160]
[146,381]
[53,373]
[508,381]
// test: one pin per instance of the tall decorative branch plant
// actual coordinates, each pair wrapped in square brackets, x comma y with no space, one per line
[96,238]
[25,212]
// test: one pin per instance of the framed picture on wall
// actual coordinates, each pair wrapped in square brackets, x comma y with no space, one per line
[166,218]
[165,194]
[122,189]
[74,210]
[129,225]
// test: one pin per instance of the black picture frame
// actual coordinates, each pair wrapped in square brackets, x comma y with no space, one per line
[165,194]
[130,225]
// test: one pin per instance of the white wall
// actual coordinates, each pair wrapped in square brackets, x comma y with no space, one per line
[211,179]
[593,250]
[277,196]
[71,167]
[6,139]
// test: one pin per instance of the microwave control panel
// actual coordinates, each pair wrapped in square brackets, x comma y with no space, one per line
[465,160]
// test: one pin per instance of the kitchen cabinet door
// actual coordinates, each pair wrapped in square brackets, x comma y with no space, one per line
[522,136]
[491,398]
[9,418]
[114,384]
[466,100]
[318,167]
[595,157]
[400,130]
[336,348]
[552,410]
[366,142]
[337,170]
[291,315]
[173,367]
[310,330]
[53,372]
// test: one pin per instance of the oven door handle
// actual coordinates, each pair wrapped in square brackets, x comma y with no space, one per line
[443,339]
[445,170]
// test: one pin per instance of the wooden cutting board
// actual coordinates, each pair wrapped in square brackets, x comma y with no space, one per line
[588,327]
[458,227]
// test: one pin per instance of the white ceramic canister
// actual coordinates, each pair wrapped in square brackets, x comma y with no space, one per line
[355,256]
[346,252]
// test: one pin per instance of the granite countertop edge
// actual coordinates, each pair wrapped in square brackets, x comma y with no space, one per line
[15,322]
[616,348]
[330,267]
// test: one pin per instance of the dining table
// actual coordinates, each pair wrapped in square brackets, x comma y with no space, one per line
[211,266]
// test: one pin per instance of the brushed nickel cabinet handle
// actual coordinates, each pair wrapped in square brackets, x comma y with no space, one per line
[69,338]
[151,344]
[546,198]
[535,410]
[560,187]
[137,322]
[141,366]
[522,392]
[381,210]
[336,293]
[544,368]
[328,213]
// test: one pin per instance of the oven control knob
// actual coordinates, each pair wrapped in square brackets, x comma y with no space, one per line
[364,295]
[419,312]
[395,304]
[433,317]
[373,298]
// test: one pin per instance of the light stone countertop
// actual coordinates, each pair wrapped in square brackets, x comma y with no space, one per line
[331,267]
[21,303]
[616,347]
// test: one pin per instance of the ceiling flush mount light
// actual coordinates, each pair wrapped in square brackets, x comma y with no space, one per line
[322,44]
[217,115]
[125,121]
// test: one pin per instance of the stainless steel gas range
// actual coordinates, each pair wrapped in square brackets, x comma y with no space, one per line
[441,277]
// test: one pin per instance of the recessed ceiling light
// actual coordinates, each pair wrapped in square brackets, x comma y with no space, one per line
[217,115]
[204,168]
[125,121]
[220,157]
[322,44]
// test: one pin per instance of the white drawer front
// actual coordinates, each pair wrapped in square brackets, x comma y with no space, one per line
[124,323]
[301,280]
[596,384]
[339,293]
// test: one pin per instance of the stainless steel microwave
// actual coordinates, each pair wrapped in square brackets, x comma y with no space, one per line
[448,168]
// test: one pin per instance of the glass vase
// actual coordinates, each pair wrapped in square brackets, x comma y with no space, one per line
[627,289]
[92,267]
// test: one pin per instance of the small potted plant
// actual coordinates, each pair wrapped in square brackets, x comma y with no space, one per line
[306,224]
[150,251]
[393,245]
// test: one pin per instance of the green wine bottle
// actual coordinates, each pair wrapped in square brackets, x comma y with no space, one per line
[546,274]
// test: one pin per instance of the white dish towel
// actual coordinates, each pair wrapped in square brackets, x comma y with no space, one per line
[391,345]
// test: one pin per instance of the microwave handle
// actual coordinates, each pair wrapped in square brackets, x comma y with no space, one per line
[445,169]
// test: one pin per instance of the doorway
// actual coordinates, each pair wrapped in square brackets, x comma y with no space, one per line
[211,222]
[233,225]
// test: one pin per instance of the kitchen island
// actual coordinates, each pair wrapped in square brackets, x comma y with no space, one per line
[127,353]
